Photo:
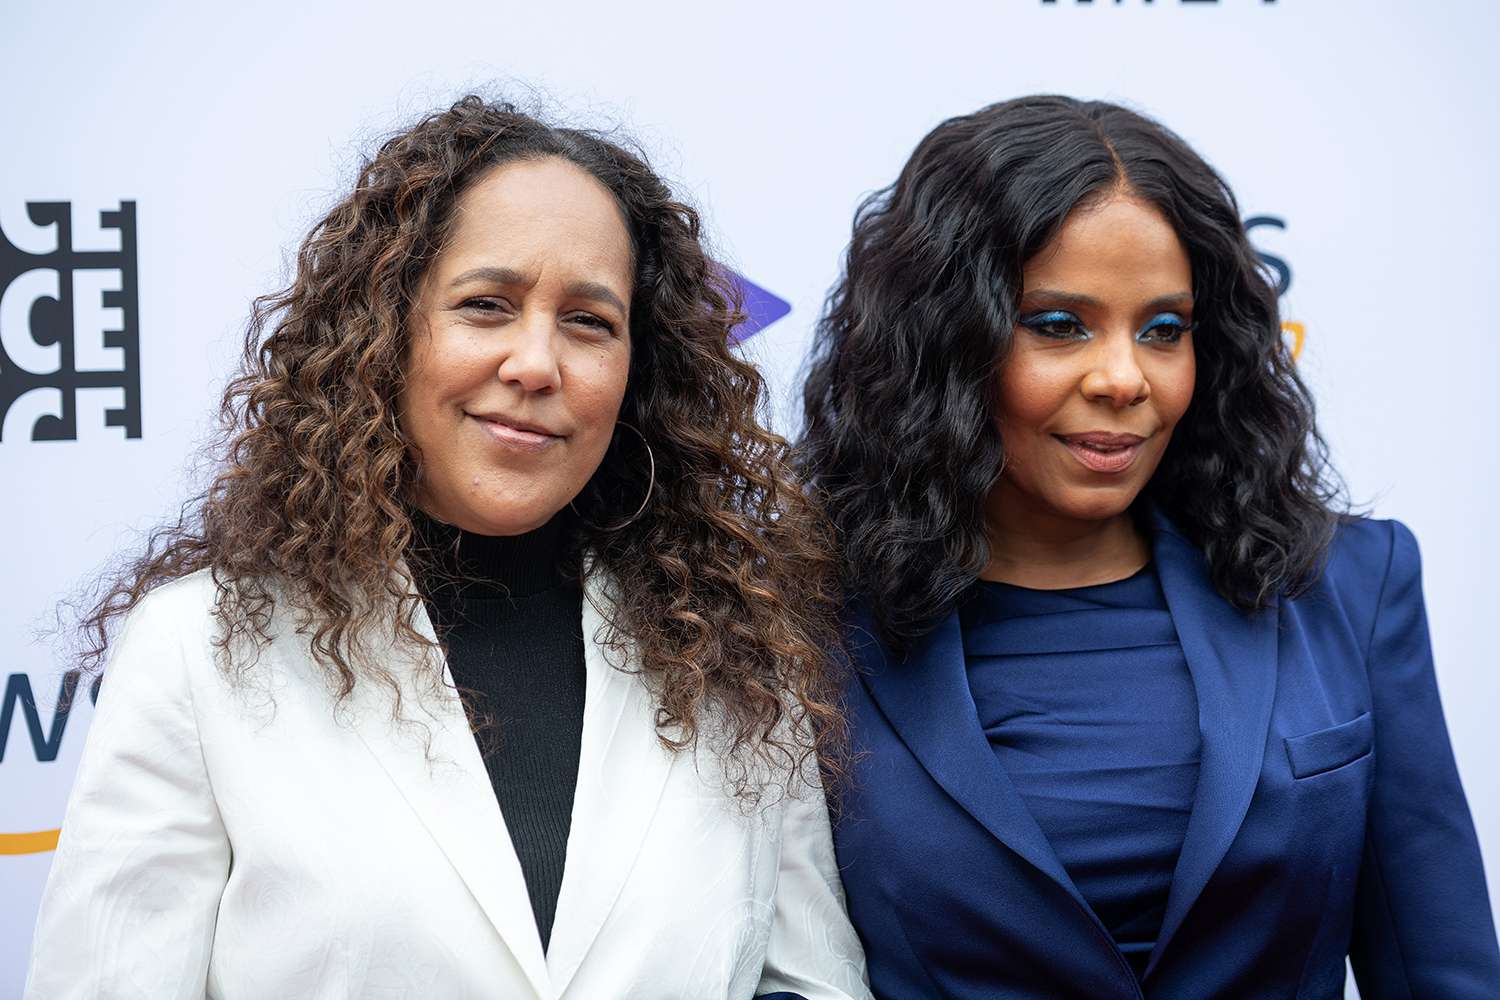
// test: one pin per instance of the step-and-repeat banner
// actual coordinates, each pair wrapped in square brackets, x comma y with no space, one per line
[163,160]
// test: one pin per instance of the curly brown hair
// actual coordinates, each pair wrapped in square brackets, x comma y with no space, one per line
[723,587]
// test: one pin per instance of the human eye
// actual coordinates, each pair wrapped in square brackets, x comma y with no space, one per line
[587,319]
[1165,328]
[1055,324]
[485,305]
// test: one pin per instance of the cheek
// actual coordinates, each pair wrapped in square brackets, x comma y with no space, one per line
[1031,394]
[597,391]
[411,403]
[1173,387]
[443,371]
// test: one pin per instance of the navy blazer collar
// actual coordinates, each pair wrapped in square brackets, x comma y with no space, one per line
[1231,656]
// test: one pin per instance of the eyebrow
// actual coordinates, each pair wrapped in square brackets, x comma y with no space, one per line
[1178,300]
[510,276]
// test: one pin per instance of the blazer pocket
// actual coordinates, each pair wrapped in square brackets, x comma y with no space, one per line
[1332,748]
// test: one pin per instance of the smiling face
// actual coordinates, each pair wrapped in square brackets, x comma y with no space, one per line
[1101,368]
[520,347]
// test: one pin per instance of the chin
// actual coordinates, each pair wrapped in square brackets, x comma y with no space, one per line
[512,516]
[516,522]
[1097,505]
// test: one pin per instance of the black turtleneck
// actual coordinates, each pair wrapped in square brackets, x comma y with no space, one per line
[512,626]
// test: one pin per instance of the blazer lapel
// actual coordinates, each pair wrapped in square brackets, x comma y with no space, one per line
[927,700]
[1231,656]
[622,772]
[447,786]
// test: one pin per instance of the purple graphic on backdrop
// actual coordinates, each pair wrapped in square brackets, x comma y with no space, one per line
[761,308]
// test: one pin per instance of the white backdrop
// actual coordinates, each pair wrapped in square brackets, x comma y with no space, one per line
[1367,127]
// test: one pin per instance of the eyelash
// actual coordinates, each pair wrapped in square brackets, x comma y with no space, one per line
[488,304]
[1037,322]
[481,304]
[589,319]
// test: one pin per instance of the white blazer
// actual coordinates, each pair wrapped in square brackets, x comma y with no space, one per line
[261,842]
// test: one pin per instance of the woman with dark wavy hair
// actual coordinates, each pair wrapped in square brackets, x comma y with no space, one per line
[1140,710]
[493,661]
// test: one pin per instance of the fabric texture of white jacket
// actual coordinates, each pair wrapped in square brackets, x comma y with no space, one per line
[262,840]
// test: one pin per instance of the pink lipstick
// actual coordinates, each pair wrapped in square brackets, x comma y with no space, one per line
[517,436]
[1100,451]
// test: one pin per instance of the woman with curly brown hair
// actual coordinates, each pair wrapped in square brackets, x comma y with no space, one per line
[491,663]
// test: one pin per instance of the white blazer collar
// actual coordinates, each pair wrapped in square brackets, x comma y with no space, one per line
[623,769]
[446,784]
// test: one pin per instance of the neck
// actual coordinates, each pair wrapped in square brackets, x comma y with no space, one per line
[470,565]
[1045,550]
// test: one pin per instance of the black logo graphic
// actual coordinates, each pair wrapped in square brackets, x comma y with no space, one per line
[1277,265]
[45,741]
[41,356]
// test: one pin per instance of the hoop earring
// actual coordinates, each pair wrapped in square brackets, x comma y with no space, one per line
[650,486]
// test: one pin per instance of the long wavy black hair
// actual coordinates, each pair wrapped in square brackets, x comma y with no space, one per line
[901,441]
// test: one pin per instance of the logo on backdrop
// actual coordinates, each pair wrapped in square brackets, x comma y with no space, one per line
[69,329]
[46,738]
[1294,330]
[762,308]
[19,710]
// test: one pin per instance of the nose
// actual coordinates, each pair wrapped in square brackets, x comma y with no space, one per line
[1115,376]
[529,361]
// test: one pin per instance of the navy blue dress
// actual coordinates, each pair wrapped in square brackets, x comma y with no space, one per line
[1328,820]
[1087,702]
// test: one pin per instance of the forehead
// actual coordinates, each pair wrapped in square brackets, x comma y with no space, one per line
[1119,246]
[538,212]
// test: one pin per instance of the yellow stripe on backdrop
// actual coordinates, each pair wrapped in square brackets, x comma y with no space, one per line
[28,843]
[1298,332]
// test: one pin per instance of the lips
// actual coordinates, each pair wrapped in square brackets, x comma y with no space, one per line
[1104,452]
[518,435]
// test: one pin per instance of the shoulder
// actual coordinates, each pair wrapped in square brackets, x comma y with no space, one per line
[1366,551]
[157,658]
[169,636]
[1372,564]
[182,608]
[186,597]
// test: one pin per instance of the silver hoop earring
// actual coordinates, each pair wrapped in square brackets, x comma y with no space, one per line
[650,485]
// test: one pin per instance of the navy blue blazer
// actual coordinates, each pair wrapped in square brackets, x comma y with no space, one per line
[1328,820]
